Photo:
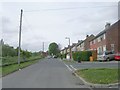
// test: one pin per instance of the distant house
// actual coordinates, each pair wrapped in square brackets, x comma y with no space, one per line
[62,51]
[87,42]
[107,40]
[78,45]
[84,44]
[65,50]
[73,47]
[68,49]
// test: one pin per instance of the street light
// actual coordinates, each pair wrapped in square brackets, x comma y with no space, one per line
[69,47]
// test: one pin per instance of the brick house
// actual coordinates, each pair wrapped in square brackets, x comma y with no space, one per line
[73,47]
[78,45]
[85,45]
[107,40]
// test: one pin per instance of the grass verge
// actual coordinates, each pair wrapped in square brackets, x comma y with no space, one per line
[12,68]
[99,76]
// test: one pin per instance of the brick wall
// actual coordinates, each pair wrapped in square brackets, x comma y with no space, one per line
[112,37]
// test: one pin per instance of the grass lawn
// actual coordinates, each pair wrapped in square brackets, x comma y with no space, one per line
[99,76]
[11,68]
[10,60]
[0,71]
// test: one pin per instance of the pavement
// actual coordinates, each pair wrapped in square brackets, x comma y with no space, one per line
[47,73]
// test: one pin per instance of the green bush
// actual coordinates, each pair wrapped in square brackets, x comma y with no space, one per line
[82,55]
[76,56]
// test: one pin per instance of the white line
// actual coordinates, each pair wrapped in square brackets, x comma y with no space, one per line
[68,67]
[73,67]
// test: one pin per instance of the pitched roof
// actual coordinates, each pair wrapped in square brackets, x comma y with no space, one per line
[104,31]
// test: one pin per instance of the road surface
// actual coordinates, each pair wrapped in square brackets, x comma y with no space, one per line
[84,65]
[47,73]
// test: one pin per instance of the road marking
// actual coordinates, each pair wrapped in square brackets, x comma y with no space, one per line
[73,67]
[68,67]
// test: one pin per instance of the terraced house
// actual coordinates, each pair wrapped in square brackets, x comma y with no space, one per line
[107,40]
[84,44]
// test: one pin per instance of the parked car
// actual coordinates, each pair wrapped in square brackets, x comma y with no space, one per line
[106,56]
[117,56]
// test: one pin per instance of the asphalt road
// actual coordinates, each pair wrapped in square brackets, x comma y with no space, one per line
[48,73]
[84,65]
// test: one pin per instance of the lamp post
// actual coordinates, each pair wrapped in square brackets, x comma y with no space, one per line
[69,47]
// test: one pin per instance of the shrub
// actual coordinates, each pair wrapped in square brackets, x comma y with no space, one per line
[76,56]
[82,55]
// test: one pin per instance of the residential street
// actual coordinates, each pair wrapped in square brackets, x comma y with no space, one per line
[84,65]
[48,73]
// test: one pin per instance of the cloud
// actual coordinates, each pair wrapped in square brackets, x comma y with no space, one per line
[42,23]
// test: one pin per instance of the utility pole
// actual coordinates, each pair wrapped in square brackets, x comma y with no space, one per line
[20,38]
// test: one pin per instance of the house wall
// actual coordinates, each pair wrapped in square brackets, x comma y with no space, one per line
[87,44]
[78,48]
[112,36]
[82,46]
[99,43]
[111,39]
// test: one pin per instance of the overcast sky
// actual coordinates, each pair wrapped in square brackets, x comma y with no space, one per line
[53,21]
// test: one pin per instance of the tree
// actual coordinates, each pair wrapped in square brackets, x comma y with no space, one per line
[53,49]
[8,51]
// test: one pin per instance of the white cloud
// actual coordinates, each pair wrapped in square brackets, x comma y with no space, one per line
[52,22]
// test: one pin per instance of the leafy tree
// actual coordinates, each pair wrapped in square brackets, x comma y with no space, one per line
[25,54]
[53,49]
[8,51]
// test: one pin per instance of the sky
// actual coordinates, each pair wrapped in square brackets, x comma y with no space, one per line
[53,21]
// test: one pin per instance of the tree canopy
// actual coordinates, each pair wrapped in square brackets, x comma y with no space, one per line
[53,49]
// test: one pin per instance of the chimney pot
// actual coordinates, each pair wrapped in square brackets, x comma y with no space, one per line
[107,25]
[87,36]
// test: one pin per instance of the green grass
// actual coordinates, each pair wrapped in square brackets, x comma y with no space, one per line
[10,60]
[11,68]
[99,76]
[0,71]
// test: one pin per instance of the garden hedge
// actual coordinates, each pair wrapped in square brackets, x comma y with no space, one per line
[82,55]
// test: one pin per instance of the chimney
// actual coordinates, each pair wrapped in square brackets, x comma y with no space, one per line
[87,36]
[107,25]
[79,41]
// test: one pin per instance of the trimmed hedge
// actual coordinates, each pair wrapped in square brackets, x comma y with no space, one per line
[82,55]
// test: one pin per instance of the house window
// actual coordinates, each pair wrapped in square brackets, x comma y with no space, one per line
[112,47]
[100,51]
[101,38]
